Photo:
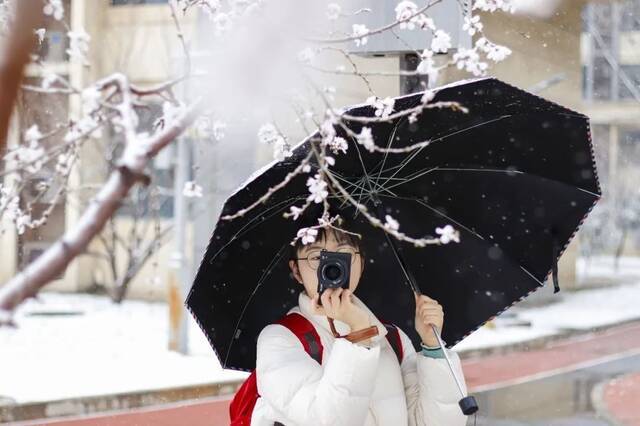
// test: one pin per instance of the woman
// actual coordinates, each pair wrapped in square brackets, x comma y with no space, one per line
[358,383]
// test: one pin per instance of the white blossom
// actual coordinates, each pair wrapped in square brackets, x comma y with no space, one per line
[218,129]
[295,212]
[469,60]
[48,79]
[495,52]
[268,134]
[40,32]
[308,235]
[54,8]
[330,160]
[333,11]
[306,55]
[365,138]
[32,134]
[384,107]
[86,126]
[222,22]
[441,42]
[404,10]
[78,45]
[391,223]
[281,149]
[91,97]
[427,65]
[360,31]
[337,145]
[472,24]
[63,165]
[171,112]
[317,189]
[192,189]
[448,234]
[493,5]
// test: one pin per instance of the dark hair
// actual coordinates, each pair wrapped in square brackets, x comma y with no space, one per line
[341,237]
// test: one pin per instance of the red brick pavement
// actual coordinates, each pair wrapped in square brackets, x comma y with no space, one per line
[480,375]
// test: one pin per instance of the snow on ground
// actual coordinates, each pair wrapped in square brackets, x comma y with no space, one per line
[107,348]
[579,310]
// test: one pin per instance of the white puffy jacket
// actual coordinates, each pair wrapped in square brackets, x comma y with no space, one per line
[355,385]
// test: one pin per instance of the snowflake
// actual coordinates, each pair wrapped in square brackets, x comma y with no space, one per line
[78,45]
[384,107]
[281,149]
[317,189]
[308,235]
[441,42]
[472,24]
[448,234]
[360,30]
[365,138]
[192,189]
[391,223]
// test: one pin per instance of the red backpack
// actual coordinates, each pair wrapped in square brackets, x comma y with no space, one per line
[241,407]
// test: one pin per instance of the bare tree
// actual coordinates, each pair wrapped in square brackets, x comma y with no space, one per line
[314,32]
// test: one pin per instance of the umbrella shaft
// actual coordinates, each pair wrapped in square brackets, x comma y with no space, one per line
[453,373]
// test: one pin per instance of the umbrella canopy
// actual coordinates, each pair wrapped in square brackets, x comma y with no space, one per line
[515,175]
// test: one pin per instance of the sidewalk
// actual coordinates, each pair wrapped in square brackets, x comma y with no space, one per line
[77,353]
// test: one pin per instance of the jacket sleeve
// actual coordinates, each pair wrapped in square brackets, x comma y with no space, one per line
[431,392]
[294,384]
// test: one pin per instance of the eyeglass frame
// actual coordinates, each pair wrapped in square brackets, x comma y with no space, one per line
[353,259]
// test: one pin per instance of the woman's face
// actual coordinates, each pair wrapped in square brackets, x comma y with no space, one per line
[308,277]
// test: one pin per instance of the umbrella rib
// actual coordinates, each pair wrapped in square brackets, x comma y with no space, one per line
[420,201]
[386,153]
[252,223]
[441,138]
[272,264]
[423,172]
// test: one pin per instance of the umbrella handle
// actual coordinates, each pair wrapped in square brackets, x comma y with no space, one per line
[468,404]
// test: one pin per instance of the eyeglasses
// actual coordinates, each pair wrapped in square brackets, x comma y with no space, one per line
[313,257]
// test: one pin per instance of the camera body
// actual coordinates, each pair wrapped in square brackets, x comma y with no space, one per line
[334,270]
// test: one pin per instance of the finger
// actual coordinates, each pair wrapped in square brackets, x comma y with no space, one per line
[426,298]
[434,309]
[326,303]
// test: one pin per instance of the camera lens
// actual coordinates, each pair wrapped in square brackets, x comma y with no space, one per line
[332,272]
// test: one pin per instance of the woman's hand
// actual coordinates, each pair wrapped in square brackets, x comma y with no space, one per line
[337,303]
[428,311]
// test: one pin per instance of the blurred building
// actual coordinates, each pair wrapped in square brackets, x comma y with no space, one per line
[610,56]
[139,38]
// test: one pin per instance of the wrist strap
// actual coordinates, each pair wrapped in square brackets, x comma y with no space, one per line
[355,336]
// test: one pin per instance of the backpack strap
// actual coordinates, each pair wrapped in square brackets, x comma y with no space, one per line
[394,339]
[306,332]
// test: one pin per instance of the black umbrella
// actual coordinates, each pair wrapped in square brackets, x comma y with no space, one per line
[515,176]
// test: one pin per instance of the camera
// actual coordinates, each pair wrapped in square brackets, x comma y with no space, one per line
[334,270]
